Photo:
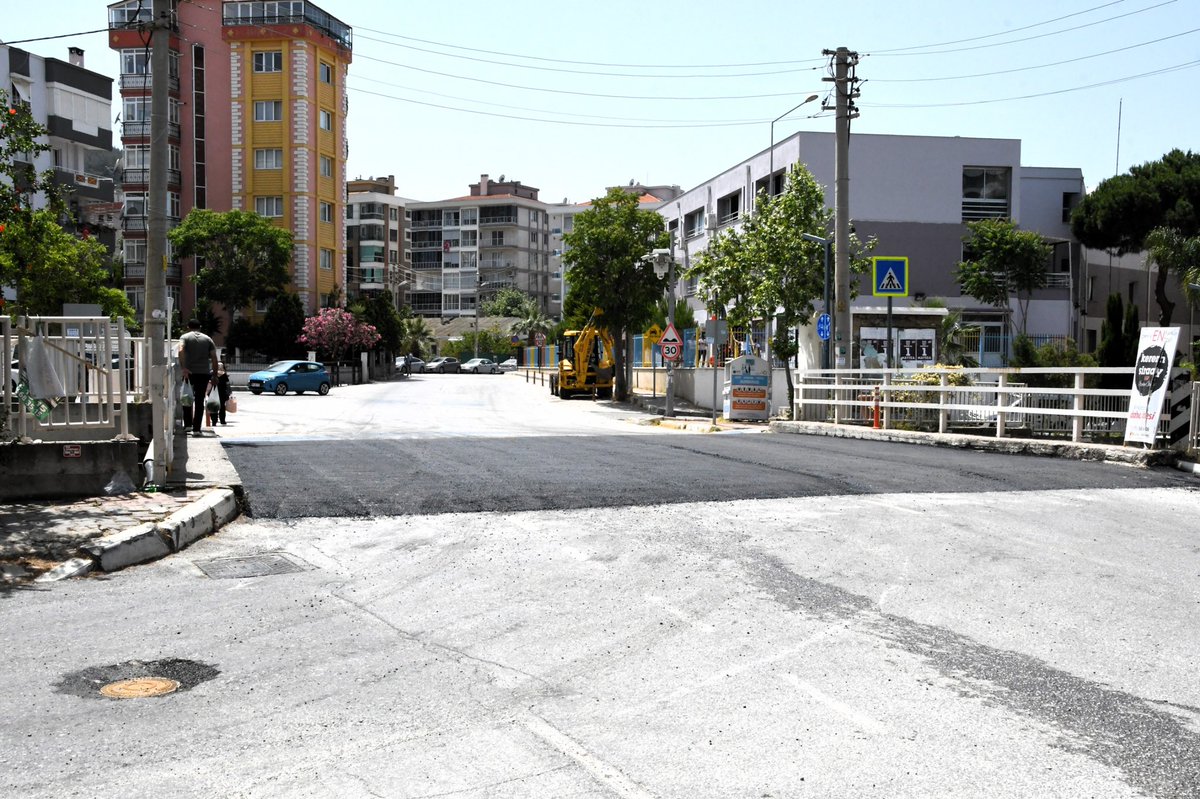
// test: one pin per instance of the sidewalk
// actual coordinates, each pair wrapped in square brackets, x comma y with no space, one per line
[52,539]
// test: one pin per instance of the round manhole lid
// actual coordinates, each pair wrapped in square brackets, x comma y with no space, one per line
[139,687]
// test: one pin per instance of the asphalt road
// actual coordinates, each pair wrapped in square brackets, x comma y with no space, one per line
[486,593]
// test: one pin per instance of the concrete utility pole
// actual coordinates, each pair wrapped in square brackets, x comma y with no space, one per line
[156,233]
[845,91]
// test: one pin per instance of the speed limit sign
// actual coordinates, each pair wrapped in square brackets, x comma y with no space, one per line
[670,352]
[670,345]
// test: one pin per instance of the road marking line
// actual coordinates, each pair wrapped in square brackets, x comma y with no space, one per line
[604,773]
[858,718]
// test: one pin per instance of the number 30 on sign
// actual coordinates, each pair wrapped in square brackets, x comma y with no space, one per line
[670,352]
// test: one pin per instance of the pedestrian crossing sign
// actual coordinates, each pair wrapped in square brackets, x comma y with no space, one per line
[890,276]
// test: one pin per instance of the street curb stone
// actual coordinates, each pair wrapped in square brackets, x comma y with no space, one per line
[138,544]
[1013,446]
[75,567]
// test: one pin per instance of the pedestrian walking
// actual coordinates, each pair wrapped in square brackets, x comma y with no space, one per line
[223,394]
[198,357]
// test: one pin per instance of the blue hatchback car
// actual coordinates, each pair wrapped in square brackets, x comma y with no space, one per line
[284,376]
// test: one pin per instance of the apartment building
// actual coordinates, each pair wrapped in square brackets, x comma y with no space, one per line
[257,122]
[465,248]
[376,255]
[915,194]
[562,222]
[74,105]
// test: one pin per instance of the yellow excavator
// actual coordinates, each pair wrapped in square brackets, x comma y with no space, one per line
[587,363]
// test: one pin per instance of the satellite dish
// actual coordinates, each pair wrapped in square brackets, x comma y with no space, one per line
[502,178]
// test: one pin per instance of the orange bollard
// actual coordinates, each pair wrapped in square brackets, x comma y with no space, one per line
[875,422]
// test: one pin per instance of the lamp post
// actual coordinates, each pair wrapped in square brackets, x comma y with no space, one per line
[827,245]
[664,264]
[771,156]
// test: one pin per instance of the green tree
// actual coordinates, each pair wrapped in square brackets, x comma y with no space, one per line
[1120,214]
[605,268]
[1049,356]
[245,256]
[684,315]
[509,302]
[532,322]
[416,338]
[493,343]
[1115,347]
[48,267]
[952,336]
[1004,261]
[282,325]
[1173,253]
[380,311]
[767,269]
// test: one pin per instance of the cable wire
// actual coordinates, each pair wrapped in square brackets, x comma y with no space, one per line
[59,36]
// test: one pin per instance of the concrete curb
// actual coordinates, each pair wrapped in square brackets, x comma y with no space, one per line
[1013,446]
[1188,466]
[153,540]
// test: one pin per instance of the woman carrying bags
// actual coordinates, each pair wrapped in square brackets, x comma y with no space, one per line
[223,394]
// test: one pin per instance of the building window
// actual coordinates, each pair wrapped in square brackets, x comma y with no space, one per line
[394,214]
[325,119]
[173,205]
[268,206]
[326,261]
[326,166]
[268,110]
[729,208]
[135,62]
[269,61]
[325,72]
[497,238]
[1070,200]
[693,223]
[326,210]
[986,192]
[271,158]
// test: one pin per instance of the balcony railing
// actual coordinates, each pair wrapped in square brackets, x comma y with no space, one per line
[497,220]
[137,271]
[424,224]
[144,81]
[417,246]
[139,223]
[976,208]
[140,129]
[141,177]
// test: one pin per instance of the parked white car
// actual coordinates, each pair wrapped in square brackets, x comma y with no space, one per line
[481,366]
[508,366]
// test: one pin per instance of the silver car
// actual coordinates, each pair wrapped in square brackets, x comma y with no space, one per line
[483,366]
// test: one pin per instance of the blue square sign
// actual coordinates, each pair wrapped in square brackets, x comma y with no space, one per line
[890,277]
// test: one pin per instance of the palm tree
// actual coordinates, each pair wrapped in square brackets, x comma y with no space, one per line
[951,336]
[530,324]
[416,338]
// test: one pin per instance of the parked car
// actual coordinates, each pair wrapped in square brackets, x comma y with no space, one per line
[481,366]
[415,364]
[443,365]
[508,366]
[284,376]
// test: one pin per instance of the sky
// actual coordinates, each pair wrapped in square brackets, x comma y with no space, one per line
[573,97]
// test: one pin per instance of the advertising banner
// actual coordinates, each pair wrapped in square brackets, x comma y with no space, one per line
[746,389]
[1156,351]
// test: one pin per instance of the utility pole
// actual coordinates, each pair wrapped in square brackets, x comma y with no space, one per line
[845,91]
[156,312]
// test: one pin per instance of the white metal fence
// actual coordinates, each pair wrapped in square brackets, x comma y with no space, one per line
[1022,403]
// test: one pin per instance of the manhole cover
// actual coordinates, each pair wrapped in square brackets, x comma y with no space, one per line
[139,688]
[135,679]
[251,566]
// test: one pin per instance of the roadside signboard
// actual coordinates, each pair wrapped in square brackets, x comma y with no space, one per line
[652,335]
[716,329]
[539,339]
[1156,351]
[824,324]
[670,345]
[514,340]
[746,389]
[890,277]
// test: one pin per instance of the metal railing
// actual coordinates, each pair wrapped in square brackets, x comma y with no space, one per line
[99,367]
[999,402]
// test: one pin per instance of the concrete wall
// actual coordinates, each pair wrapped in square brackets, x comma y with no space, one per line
[60,470]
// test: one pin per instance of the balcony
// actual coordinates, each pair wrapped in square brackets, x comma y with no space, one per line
[424,224]
[141,177]
[134,224]
[144,81]
[140,129]
[418,246]
[497,220]
[137,271]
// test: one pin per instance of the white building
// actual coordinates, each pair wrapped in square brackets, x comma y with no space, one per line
[916,194]
[377,258]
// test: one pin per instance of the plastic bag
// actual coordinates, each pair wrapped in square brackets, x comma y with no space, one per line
[186,397]
[119,484]
[231,404]
[212,404]
[44,382]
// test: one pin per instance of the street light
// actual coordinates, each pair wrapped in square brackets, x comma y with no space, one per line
[771,157]
[664,264]
[827,244]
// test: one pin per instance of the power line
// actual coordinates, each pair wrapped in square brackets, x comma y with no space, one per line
[1035,66]
[589,72]
[727,124]
[1163,71]
[887,53]
[572,92]
[59,36]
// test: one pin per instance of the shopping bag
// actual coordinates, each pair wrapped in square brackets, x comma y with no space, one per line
[231,404]
[186,397]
